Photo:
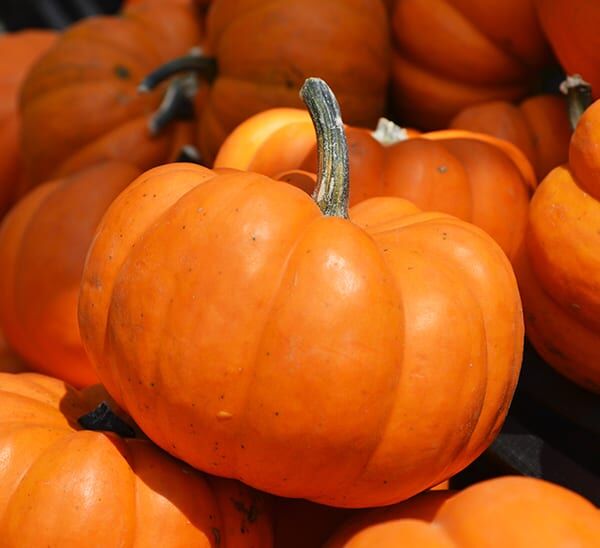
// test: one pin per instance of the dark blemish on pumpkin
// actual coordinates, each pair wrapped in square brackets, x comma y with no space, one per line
[144,195]
[154,195]
[267,353]
[242,446]
[110,257]
[152,385]
[410,268]
[251,513]
[122,72]
[276,413]
[182,227]
[216,534]
[442,169]
[386,250]
[444,235]
[384,482]
[190,269]
[222,397]
[253,238]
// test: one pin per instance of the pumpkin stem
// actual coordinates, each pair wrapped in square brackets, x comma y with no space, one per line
[332,189]
[195,62]
[104,419]
[389,133]
[189,153]
[579,97]
[177,104]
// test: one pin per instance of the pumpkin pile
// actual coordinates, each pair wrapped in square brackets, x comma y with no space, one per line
[267,268]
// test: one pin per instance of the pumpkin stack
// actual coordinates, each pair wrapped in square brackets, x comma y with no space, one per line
[229,320]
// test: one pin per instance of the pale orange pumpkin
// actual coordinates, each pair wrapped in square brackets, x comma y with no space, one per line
[519,512]
[262,336]
[62,484]
[43,244]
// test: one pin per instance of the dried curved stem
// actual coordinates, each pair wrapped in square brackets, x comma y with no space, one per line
[333,188]
[195,62]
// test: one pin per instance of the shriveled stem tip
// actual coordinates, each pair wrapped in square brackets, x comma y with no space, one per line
[332,190]
[579,97]
[389,133]
[104,419]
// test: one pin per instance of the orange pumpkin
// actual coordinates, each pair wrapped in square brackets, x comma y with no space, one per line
[63,485]
[43,243]
[19,50]
[454,53]
[571,27]
[539,126]
[475,177]
[559,263]
[262,52]
[260,336]
[519,512]
[80,102]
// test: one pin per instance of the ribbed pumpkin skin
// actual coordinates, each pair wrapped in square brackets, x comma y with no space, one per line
[265,51]
[539,126]
[510,511]
[572,30]
[472,176]
[18,51]
[80,102]
[453,53]
[255,338]
[559,265]
[43,244]
[64,486]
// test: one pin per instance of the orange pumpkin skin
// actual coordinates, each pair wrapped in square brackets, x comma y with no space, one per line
[19,50]
[472,176]
[43,243]
[539,126]
[559,264]
[506,511]
[64,486]
[453,53]
[266,50]
[243,299]
[83,93]
[572,30]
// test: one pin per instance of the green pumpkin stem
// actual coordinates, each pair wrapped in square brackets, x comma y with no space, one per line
[104,419]
[579,97]
[195,62]
[333,178]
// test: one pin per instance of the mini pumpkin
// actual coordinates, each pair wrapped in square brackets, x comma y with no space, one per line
[258,55]
[262,335]
[19,50]
[450,54]
[68,485]
[558,266]
[80,103]
[43,243]
[539,126]
[476,177]
[509,511]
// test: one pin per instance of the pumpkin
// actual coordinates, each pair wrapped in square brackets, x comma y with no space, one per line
[65,485]
[80,103]
[475,177]
[558,266]
[450,54]
[261,335]
[539,126]
[43,243]
[22,48]
[571,28]
[511,511]
[260,53]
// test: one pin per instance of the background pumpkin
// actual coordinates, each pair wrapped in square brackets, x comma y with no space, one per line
[472,176]
[453,53]
[246,299]
[572,30]
[61,485]
[264,51]
[19,50]
[558,266]
[43,243]
[539,126]
[80,102]
[507,511]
